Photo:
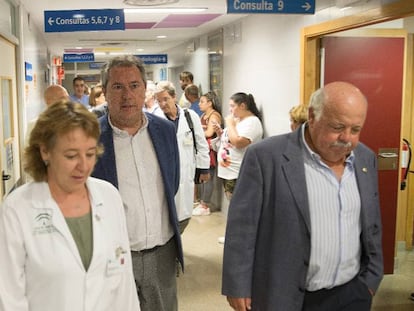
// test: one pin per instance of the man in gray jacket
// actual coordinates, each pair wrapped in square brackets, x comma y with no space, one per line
[304,227]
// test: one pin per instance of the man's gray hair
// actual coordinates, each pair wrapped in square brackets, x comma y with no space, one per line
[122,61]
[317,103]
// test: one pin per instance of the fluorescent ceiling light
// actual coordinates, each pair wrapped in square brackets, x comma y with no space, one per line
[109,53]
[164,10]
[149,2]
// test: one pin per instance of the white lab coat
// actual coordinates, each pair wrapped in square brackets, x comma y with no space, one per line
[40,266]
[189,160]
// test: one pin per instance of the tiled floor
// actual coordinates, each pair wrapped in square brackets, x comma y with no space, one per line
[199,286]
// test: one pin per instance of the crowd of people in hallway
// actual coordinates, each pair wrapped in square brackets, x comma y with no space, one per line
[117,176]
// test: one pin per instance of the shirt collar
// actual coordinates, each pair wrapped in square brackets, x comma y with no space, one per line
[315,156]
[122,133]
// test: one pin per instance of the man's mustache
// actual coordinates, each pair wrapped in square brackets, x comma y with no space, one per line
[342,144]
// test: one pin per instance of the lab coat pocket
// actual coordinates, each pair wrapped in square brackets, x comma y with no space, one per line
[116,264]
[115,267]
[188,139]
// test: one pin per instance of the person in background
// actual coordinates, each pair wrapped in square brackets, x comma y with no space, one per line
[186,79]
[243,128]
[55,93]
[191,94]
[304,223]
[52,94]
[97,101]
[63,235]
[209,105]
[87,90]
[193,147]
[298,116]
[151,104]
[141,159]
[79,95]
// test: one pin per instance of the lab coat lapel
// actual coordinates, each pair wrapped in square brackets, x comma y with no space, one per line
[58,220]
[98,220]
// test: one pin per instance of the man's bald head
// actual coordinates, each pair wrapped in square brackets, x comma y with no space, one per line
[55,93]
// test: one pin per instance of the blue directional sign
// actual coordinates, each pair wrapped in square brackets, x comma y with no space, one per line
[271,6]
[152,59]
[78,58]
[84,20]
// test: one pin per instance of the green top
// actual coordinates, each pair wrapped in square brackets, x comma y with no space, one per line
[81,229]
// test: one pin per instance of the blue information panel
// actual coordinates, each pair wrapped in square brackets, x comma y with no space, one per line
[28,71]
[152,59]
[271,6]
[78,58]
[84,20]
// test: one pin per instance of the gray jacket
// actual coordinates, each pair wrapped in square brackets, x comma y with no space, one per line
[267,249]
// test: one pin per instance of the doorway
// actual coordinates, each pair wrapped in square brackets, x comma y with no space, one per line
[376,66]
[311,74]
[9,137]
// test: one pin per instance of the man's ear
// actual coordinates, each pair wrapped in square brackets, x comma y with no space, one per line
[311,115]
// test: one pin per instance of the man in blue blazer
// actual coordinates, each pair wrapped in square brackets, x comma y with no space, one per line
[141,159]
[304,227]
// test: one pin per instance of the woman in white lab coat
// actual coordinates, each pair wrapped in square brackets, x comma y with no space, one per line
[63,237]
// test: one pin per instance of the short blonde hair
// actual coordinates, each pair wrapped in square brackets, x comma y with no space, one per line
[58,119]
[299,114]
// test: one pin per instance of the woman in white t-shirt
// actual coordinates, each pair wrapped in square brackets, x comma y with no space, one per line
[243,127]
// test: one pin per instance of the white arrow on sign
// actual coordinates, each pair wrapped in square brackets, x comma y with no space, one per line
[306,6]
[50,21]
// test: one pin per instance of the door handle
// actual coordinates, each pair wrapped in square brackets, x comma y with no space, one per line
[5,176]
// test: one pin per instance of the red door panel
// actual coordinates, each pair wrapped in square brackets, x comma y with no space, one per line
[375,66]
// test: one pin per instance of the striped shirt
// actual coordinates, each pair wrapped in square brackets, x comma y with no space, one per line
[334,207]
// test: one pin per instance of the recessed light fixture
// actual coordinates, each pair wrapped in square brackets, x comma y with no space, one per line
[164,10]
[161,37]
[149,2]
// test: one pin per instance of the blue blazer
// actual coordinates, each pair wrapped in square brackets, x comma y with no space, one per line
[267,247]
[162,133]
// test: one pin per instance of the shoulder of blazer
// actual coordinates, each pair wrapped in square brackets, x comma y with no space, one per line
[157,125]
[104,125]
[155,121]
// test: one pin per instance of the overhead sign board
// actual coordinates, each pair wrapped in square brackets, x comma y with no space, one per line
[84,20]
[78,58]
[271,6]
[152,59]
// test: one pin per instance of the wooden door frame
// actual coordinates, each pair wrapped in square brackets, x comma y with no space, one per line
[310,38]
[310,81]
